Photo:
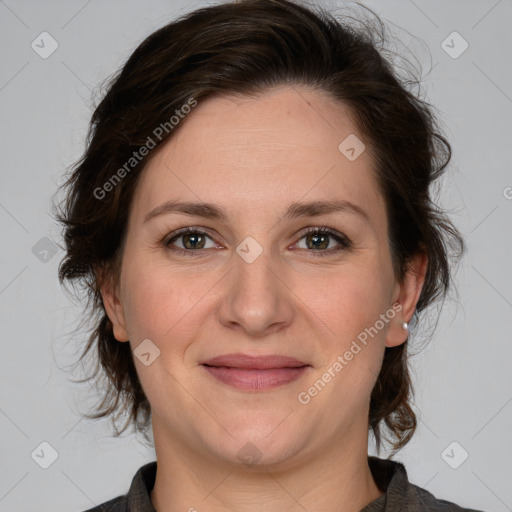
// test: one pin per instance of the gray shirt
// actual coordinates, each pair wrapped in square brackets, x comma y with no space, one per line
[389,475]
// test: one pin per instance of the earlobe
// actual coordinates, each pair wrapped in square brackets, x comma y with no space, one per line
[114,309]
[409,291]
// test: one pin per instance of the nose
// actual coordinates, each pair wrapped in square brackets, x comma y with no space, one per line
[256,298]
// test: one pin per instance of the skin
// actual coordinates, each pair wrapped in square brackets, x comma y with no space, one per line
[254,156]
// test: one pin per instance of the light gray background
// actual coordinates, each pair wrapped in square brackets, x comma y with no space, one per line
[463,377]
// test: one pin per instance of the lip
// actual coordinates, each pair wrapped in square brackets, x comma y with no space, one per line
[248,362]
[255,373]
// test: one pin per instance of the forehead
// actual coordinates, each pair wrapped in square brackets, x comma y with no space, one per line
[259,154]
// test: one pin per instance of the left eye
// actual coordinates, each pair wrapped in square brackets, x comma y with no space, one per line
[194,240]
[318,238]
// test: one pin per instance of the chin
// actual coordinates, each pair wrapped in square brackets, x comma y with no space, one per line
[257,442]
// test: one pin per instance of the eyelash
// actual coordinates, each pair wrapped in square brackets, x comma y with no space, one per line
[341,239]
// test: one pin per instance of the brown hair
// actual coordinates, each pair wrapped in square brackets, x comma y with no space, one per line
[247,48]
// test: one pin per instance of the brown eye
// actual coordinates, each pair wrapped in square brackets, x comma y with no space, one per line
[319,240]
[192,240]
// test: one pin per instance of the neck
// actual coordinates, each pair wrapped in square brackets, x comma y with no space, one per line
[336,477]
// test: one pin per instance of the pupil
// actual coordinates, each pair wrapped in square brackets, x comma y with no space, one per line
[195,238]
[318,240]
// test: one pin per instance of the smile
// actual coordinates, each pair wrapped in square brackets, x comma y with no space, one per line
[255,379]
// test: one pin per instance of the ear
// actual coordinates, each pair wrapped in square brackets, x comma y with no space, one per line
[113,306]
[407,294]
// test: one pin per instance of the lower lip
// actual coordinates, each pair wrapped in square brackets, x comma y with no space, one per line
[255,380]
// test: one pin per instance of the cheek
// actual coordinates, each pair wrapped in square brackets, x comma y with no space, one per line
[352,299]
[354,357]
[357,311]
[154,302]
[165,304]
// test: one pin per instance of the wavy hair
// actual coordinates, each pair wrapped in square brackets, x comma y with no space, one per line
[246,48]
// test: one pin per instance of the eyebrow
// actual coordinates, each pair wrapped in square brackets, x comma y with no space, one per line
[295,210]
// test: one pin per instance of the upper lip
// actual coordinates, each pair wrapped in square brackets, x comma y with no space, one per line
[254,362]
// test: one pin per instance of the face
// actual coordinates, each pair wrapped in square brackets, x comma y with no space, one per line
[253,281]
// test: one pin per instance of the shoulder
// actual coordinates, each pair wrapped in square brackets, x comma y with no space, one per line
[119,504]
[429,503]
[400,494]
[138,496]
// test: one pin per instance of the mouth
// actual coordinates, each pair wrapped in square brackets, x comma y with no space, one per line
[256,373]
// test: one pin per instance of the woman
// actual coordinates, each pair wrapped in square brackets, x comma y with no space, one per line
[253,221]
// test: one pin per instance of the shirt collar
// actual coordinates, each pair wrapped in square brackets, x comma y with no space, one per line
[390,476]
[139,495]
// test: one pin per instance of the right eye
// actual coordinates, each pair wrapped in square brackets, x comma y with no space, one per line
[193,240]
